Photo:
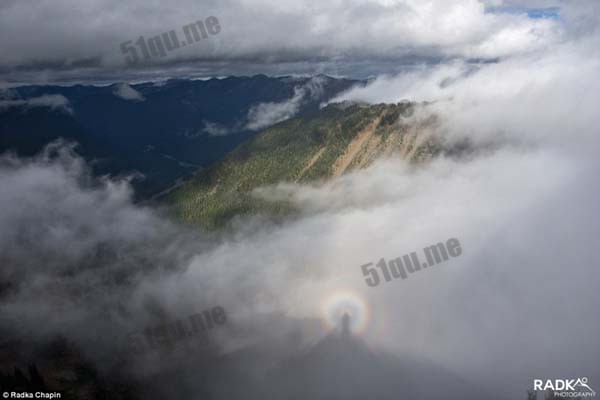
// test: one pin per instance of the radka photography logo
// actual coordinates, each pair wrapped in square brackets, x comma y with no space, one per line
[567,388]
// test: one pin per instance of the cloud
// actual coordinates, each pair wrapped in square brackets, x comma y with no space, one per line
[215,129]
[497,205]
[53,101]
[517,304]
[78,249]
[263,115]
[530,99]
[338,33]
[523,206]
[126,92]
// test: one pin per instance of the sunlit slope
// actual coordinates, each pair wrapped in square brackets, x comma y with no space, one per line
[338,139]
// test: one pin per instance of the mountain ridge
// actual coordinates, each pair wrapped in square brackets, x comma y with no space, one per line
[339,139]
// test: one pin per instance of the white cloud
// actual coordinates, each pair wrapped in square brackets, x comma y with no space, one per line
[54,101]
[534,98]
[523,205]
[264,115]
[126,92]
[215,129]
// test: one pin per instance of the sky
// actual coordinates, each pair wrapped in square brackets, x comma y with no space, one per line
[67,40]
[517,80]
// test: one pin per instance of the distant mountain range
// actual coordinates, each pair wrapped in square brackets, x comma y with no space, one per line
[164,130]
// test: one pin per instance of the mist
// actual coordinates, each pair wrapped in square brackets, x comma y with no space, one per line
[519,304]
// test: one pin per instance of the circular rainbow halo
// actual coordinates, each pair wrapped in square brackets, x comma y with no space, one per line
[345,301]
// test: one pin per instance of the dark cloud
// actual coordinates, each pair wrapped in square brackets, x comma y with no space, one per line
[38,37]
